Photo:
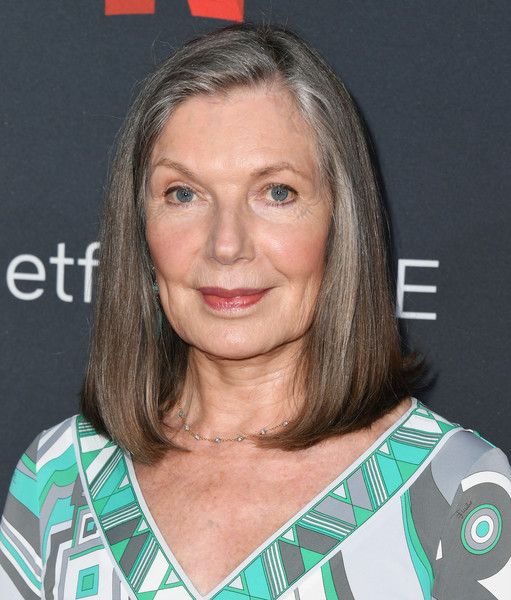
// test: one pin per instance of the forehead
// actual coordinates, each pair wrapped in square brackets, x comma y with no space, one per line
[242,127]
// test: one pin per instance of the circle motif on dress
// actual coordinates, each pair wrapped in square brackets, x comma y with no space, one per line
[481,529]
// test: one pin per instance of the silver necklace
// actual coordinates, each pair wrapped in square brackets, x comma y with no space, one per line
[239,438]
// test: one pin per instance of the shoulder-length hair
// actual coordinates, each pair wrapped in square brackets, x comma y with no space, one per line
[352,369]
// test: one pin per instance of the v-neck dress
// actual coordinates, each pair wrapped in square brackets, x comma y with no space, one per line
[424,513]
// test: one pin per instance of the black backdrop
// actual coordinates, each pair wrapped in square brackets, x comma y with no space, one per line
[433,82]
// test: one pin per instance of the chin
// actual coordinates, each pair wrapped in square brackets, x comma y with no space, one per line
[234,351]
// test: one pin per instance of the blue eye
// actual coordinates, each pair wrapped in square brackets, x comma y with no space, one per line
[280,192]
[183,193]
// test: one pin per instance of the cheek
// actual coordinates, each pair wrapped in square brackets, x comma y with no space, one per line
[171,248]
[300,253]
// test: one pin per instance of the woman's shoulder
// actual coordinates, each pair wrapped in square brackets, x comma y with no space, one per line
[465,458]
[57,455]
[51,451]
[464,448]
[51,443]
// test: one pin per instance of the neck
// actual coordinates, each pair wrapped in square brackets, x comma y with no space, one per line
[229,397]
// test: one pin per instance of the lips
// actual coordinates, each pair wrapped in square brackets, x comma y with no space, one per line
[221,299]
[225,293]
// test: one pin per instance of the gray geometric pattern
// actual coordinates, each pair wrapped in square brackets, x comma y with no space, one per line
[459,527]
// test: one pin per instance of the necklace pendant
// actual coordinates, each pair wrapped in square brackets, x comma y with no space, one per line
[180,413]
[240,438]
[196,436]
[285,423]
[187,427]
[262,432]
[218,440]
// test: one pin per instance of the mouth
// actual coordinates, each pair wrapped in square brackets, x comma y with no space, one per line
[221,299]
[225,293]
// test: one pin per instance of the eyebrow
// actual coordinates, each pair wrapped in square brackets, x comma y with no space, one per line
[261,172]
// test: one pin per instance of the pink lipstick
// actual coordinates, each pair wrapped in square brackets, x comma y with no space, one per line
[223,299]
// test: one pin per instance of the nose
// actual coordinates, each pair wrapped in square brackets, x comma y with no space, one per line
[229,235]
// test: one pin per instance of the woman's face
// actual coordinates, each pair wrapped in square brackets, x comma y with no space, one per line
[224,211]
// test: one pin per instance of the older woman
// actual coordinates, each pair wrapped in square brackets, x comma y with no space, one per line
[247,427]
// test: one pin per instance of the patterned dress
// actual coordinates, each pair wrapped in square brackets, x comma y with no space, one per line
[424,513]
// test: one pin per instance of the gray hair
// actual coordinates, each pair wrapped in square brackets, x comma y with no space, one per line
[352,370]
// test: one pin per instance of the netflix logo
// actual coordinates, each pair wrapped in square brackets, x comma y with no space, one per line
[229,10]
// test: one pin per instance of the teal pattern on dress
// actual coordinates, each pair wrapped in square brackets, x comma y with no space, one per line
[287,557]
[446,534]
